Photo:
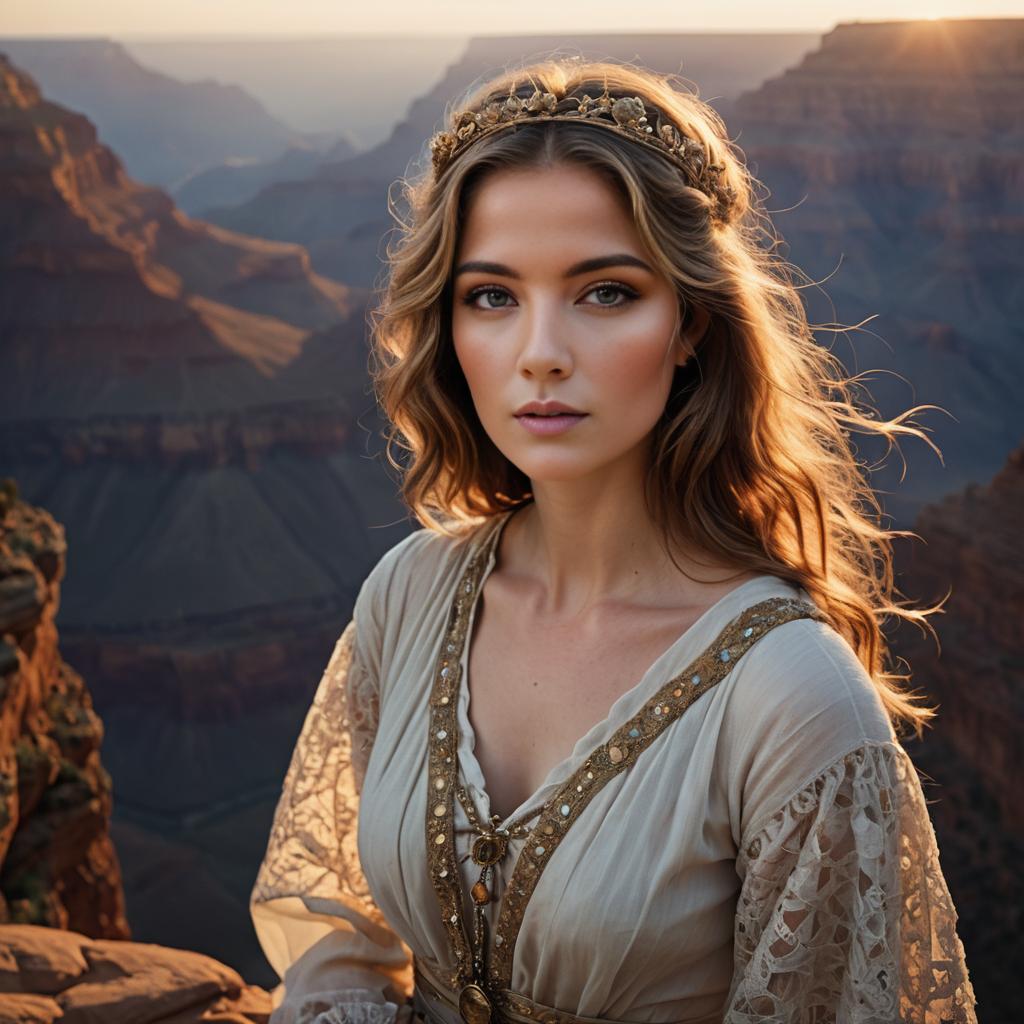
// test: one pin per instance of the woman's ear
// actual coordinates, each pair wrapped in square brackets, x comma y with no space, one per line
[695,323]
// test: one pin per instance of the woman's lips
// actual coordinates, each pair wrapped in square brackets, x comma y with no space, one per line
[547,425]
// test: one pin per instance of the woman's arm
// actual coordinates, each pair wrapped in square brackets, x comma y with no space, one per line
[339,961]
[844,914]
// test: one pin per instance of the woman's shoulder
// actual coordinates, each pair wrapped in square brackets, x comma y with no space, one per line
[416,566]
[798,701]
[803,677]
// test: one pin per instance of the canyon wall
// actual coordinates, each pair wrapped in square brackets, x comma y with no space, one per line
[969,558]
[192,405]
[64,949]
[893,159]
[58,866]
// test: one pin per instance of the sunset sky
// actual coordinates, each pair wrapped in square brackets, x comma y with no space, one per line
[460,17]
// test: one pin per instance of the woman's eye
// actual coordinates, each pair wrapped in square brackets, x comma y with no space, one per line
[470,299]
[498,298]
[612,290]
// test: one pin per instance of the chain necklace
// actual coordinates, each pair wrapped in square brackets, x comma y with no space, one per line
[490,845]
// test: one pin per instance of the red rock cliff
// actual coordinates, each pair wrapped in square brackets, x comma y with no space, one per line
[58,866]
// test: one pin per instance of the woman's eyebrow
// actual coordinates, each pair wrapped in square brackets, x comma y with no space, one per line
[621,259]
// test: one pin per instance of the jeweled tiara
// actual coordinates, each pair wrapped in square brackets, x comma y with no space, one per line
[624,115]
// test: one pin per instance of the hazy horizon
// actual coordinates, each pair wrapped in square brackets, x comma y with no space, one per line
[321,18]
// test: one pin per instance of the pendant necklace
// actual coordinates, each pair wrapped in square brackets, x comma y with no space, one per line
[490,845]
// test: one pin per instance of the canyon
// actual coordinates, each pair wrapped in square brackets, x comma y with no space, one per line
[65,942]
[191,404]
[186,410]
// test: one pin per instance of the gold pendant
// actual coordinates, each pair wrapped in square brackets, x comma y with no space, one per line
[489,848]
[474,1006]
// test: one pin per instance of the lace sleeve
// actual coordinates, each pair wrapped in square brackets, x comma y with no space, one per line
[844,914]
[312,910]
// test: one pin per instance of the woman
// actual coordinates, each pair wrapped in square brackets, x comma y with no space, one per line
[615,726]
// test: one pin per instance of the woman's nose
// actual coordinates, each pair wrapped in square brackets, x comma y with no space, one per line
[544,346]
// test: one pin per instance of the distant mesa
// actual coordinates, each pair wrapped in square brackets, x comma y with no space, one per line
[893,155]
[166,310]
[191,405]
[164,130]
[339,212]
[237,182]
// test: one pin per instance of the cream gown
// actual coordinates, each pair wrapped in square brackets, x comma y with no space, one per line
[742,838]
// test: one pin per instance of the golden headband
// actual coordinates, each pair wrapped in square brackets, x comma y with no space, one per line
[625,115]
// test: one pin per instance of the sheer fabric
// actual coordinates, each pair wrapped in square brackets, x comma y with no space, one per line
[786,779]
[339,961]
[844,914]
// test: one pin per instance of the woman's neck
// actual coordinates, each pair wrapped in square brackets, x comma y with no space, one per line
[582,551]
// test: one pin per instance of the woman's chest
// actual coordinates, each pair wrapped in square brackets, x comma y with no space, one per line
[534,689]
[654,842]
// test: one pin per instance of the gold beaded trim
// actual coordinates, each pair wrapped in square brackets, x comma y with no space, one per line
[513,1007]
[443,766]
[617,755]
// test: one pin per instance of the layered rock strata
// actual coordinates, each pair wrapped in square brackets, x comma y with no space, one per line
[192,406]
[893,158]
[58,866]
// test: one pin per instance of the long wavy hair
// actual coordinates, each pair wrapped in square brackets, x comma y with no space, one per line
[751,461]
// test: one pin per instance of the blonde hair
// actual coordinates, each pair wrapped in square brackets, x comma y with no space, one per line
[751,460]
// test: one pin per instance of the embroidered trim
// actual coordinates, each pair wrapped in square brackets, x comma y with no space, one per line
[514,1008]
[609,759]
[442,772]
[619,754]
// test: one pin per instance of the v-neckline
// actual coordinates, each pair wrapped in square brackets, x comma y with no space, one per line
[651,710]
[622,708]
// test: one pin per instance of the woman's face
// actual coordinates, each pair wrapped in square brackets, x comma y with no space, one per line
[556,300]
